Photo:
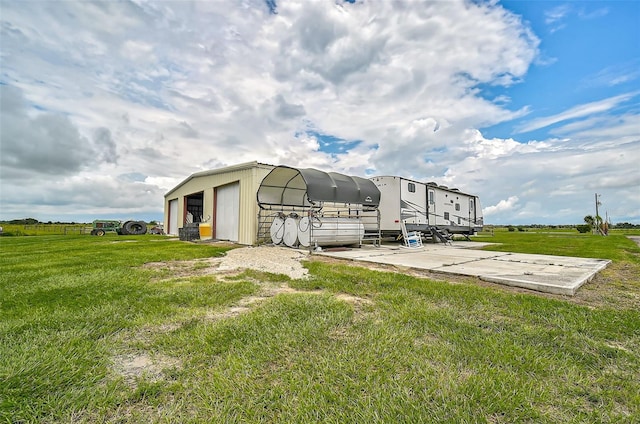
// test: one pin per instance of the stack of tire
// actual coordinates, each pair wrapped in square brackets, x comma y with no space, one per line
[133,228]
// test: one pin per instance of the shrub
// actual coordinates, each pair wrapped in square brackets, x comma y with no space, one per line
[584,228]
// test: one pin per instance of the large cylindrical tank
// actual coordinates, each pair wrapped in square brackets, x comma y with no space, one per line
[331,231]
[277,230]
[290,235]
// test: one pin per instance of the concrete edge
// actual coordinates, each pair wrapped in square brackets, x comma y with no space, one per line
[538,287]
[546,288]
[398,268]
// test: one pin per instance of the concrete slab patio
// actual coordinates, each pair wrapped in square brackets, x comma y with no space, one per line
[544,273]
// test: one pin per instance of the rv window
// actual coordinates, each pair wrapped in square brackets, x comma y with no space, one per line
[431,194]
[471,204]
[412,188]
[459,221]
[457,206]
[446,216]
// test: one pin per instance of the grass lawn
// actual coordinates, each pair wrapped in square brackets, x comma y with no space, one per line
[88,334]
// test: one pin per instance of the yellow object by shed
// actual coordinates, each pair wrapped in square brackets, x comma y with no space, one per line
[205,230]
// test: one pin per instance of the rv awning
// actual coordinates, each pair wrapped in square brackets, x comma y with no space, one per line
[308,187]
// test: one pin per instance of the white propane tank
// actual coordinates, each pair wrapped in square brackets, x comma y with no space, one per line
[330,231]
[277,230]
[290,236]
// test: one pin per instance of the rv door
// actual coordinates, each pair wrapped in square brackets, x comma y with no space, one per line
[432,207]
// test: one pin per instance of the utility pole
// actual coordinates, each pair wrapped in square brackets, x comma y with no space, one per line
[597,217]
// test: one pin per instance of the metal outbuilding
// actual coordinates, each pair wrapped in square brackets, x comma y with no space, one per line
[239,203]
[223,201]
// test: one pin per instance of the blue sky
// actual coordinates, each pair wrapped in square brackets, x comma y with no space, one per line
[532,105]
[590,52]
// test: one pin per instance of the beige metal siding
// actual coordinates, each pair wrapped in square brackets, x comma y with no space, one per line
[249,177]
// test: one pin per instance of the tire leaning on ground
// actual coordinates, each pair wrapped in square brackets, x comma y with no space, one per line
[123,231]
[135,228]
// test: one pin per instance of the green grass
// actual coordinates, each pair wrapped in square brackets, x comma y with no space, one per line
[615,246]
[349,345]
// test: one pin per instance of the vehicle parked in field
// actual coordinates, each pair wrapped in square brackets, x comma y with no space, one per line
[102,226]
[157,229]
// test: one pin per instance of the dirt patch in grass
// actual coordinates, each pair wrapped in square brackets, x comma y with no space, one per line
[264,261]
[274,260]
[192,268]
[246,303]
[137,365]
[358,302]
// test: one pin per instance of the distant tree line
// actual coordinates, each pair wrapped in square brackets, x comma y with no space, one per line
[33,221]
[590,224]
[625,226]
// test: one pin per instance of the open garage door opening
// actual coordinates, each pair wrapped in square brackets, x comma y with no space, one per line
[194,208]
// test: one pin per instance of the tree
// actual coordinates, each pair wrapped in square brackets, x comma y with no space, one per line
[589,220]
[596,223]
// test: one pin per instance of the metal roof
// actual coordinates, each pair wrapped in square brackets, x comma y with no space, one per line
[238,167]
[308,187]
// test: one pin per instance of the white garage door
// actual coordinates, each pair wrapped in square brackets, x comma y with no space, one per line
[173,217]
[227,212]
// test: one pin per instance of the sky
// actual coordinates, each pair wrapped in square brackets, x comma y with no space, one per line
[532,105]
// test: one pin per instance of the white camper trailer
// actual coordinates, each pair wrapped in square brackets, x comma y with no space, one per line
[425,207]
[402,199]
[454,211]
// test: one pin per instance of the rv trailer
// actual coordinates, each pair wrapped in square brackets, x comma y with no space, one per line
[454,211]
[402,199]
[424,207]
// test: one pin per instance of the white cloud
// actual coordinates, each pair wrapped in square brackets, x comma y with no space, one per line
[593,14]
[556,14]
[159,90]
[555,182]
[578,112]
[507,205]
[556,18]
[614,75]
[46,143]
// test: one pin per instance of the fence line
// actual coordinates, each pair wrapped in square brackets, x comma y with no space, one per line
[57,229]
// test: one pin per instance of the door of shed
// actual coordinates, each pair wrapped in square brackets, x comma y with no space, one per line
[227,212]
[173,218]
